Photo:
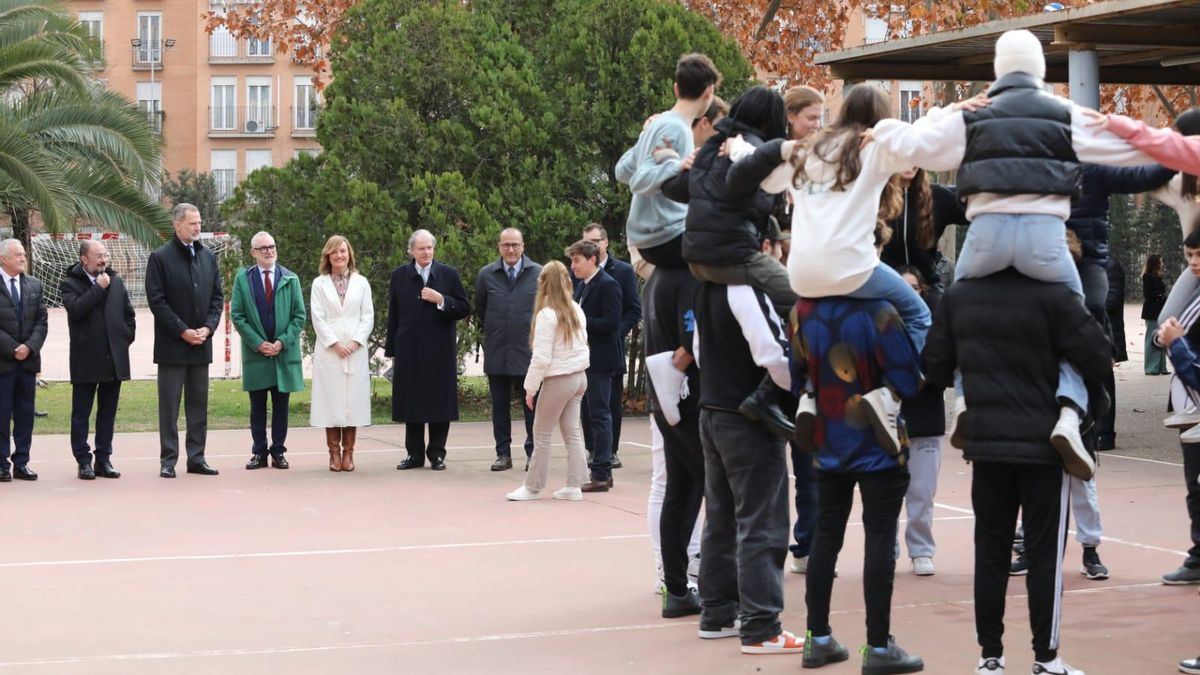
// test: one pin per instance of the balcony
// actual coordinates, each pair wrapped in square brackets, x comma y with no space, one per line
[154,119]
[304,121]
[148,54]
[223,48]
[242,122]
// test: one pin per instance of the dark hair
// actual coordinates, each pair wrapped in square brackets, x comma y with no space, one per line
[1192,240]
[584,248]
[761,109]
[920,277]
[1154,265]
[694,73]
[862,108]
[1188,124]
[596,227]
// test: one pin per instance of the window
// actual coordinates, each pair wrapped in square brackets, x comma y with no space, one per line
[223,164]
[93,23]
[876,30]
[149,48]
[305,104]
[258,47]
[305,152]
[911,102]
[149,101]
[258,105]
[257,159]
[224,110]
[221,44]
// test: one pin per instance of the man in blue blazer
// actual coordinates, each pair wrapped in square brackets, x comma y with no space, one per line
[600,297]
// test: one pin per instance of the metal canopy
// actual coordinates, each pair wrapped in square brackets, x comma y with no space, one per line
[1136,41]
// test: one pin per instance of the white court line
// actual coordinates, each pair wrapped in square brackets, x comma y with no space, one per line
[1141,459]
[466,639]
[338,551]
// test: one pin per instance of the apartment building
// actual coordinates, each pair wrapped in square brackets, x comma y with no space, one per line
[223,105]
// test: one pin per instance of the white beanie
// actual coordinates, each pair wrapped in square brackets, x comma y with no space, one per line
[1018,51]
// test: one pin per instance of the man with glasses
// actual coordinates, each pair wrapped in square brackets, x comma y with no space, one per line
[23,326]
[504,295]
[631,314]
[268,312]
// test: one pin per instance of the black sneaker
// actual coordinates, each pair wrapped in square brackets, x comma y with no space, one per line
[1182,576]
[675,606]
[1092,567]
[894,660]
[817,655]
[1190,666]
[1019,567]
[715,631]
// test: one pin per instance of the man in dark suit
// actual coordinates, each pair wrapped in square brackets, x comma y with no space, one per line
[183,288]
[102,324]
[23,325]
[426,299]
[504,295]
[600,297]
[631,312]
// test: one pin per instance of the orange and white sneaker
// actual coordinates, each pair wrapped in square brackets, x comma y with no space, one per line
[784,643]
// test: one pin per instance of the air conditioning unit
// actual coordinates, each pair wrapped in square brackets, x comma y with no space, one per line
[251,127]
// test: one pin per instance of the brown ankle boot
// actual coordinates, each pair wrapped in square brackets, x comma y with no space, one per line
[333,439]
[348,437]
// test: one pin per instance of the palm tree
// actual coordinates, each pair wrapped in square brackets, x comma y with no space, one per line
[69,149]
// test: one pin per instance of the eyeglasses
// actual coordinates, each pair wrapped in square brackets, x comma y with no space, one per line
[265,249]
[509,245]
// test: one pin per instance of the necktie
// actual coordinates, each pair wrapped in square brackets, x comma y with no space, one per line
[16,295]
[270,292]
[512,274]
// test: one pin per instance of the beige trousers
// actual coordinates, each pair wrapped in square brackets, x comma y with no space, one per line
[558,405]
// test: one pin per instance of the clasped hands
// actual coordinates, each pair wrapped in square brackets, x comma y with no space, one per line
[195,336]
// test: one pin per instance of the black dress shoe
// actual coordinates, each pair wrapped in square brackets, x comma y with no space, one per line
[438,464]
[502,463]
[409,462]
[104,469]
[257,461]
[166,472]
[616,462]
[762,406]
[40,413]
[202,468]
[5,475]
[24,473]
[279,461]
[86,472]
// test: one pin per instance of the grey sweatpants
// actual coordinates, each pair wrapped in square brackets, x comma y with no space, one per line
[924,463]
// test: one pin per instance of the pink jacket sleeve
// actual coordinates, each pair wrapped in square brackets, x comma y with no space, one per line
[1167,146]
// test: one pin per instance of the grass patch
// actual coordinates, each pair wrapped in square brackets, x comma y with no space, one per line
[229,406]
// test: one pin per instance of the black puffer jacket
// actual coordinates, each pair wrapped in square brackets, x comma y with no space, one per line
[1089,212]
[1007,333]
[726,209]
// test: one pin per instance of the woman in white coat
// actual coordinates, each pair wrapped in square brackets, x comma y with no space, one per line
[343,316]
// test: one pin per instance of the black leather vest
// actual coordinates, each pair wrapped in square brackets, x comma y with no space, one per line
[1020,144]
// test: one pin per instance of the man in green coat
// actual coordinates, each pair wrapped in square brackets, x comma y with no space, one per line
[268,312]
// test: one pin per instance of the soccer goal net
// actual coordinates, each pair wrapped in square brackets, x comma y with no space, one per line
[54,254]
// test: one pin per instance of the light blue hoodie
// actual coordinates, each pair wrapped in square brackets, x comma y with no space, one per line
[653,218]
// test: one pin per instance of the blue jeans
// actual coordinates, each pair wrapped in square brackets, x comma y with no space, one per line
[1036,246]
[887,284]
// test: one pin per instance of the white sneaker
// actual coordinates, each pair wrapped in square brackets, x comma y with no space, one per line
[1185,419]
[784,643]
[923,566]
[569,493]
[957,438]
[668,382]
[882,410]
[800,565]
[1066,440]
[1055,667]
[522,494]
[990,667]
[1191,435]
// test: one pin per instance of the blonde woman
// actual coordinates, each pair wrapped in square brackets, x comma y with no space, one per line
[343,316]
[560,357]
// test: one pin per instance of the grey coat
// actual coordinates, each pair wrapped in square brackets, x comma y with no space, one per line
[30,330]
[506,311]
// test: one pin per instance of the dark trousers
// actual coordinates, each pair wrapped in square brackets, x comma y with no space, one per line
[191,384]
[105,394]
[597,406]
[746,525]
[1191,473]
[279,421]
[666,254]
[684,459]
[882,494]
[1042,494]
[414,440]
[1106,424]
[18,388]
[806,501]
[501,389]
[616,407]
